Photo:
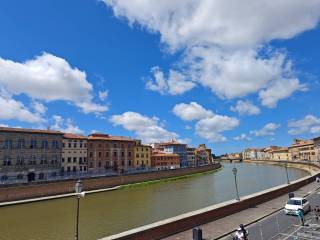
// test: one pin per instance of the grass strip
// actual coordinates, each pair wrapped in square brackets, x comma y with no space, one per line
[140,184]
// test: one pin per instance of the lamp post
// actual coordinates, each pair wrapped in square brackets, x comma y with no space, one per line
[78,189]
[286,167]
[234,171]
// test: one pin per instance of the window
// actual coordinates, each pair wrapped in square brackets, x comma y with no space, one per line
[62,160]
[41,176]
[122,154]
[33,144]
[80,160]
[74,169]
[75,145]
[147,155]
[137,155]
[99,164]
[114,154]
[122,163]
[80,168]
[20,161]
[142,155]
[114,145]
[91,164]
[7,161]
[63,145]
[55,144]
[4,178]
[33,160]
[69,159]
[8,144]
[107,154]
[129,154]
[80,145]
[68,169]
[85,168]
[84,159]
[129,162]
[45,144]
[74,159]
[43,159]
[69,145]
[21,144]
[91,154]
[99,154]
[100,146]
[122,145]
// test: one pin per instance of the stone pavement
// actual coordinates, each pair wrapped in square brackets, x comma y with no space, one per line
[224,226]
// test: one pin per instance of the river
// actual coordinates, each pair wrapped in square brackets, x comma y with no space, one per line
[107,213]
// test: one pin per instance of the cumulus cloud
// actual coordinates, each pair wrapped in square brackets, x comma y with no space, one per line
[175,84]
[4,125]
[49,78]
[309,124]
[65,125]
[191,111]
[224,44]
[148,129]
[268,130]
[242,137]
[15,110]
[245,108]
[103,95]
[210,128]
[280,90]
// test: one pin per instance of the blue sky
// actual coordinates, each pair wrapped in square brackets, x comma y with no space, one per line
[224,73]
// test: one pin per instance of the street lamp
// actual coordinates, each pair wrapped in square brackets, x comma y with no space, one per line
[78,189]
[286,167]
[234,171]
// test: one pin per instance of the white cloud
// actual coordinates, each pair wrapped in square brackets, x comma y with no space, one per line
[49,78]
[103,95]
[4,125]
[15,110]
[242,137]
[175,84]
[148,129]
[38,107]
[280,90]
[309,124]
[65,125]
[268,130]
[187,127]
[191,111]
[210,128]
[224,44]
[245,108]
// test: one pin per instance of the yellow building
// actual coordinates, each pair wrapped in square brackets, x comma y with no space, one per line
[141,155]
[281,154]
[303,150]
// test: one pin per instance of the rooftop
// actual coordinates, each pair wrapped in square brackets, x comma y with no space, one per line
[107,137]
[27,130]
[74,136]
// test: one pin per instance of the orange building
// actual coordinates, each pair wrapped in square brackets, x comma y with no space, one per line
[107,152]
[165,161]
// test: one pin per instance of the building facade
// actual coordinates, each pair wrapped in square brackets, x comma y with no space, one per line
[165,161]
[177,148]
[141,155]
[203,155]
[28,155]
[281,154]
[303,150]
[249,154]
[74,154]
[191,157]
[110,153]
[317,148]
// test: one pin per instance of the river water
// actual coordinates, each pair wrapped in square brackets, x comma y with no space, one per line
[107,213]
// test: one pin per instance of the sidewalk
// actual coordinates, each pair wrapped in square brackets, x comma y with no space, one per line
[224,226]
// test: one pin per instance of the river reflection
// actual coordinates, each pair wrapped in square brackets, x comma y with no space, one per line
[108,213]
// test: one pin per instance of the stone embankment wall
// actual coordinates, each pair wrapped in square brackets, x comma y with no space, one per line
[62,187]
[189,220]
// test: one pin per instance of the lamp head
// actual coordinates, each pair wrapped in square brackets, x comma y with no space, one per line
[78,187]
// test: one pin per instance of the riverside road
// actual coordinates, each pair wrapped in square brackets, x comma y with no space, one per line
[281,226]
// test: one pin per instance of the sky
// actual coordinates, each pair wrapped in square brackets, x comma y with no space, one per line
[231,74]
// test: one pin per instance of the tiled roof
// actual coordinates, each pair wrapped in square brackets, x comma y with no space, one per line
[107,137]
[171,143]
[74,136]
[302,143]
[27,130]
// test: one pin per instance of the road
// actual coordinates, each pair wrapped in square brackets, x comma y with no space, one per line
[280,226]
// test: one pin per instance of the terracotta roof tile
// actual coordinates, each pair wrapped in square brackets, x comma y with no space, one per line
[107,137]
[74,136]
[27,130]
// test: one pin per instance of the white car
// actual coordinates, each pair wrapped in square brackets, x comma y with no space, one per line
[296,203]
